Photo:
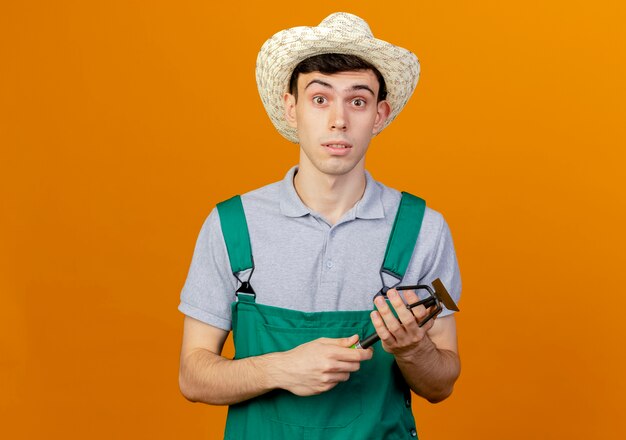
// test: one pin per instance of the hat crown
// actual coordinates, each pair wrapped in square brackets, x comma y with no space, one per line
[345,22]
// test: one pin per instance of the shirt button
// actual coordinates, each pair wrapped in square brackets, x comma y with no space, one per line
[329,264]
[413,432]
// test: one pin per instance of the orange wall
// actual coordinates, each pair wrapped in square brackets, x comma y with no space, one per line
[122,123]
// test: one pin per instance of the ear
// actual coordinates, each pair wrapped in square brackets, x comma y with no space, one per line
[289,102]
[382,113]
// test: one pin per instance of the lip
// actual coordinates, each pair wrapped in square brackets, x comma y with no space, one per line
[344,148]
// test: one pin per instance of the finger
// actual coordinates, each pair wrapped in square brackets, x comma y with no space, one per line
[381,329]
[334,378]
[342,342]
[391,322]
[349,354]
[411,298]
[349,341]
[420,312]
[366,354]
[405,315]
[342,349]
[426,327]
[346,367]
[341,377]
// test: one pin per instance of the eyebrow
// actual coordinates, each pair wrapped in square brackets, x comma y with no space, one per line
[351,89]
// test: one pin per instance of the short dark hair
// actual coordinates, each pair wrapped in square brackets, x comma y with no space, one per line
[329,63]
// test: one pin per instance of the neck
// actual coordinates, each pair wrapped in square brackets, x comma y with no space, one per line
[330,195]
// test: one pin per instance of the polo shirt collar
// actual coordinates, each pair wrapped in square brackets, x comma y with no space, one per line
[369,207]
[371,204]
[290,203]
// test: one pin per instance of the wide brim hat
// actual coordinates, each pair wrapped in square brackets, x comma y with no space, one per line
[338,33]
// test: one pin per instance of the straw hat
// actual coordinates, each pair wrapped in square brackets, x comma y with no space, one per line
[338,33]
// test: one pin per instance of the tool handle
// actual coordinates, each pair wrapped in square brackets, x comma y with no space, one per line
[367,342]
[428,302]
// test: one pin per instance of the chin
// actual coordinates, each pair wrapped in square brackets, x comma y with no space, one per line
[336,170]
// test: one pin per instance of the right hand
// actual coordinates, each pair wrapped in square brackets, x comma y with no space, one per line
[319,365]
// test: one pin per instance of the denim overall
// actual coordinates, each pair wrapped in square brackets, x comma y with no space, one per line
[375,403]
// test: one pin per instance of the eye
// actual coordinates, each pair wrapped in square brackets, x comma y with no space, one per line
[319,100]
[358,102]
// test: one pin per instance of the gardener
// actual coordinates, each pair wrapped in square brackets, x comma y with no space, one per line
[293,267]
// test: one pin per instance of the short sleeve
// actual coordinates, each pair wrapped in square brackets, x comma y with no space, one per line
[442,263]
[210,286]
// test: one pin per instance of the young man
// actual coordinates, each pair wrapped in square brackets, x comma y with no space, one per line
[293,267]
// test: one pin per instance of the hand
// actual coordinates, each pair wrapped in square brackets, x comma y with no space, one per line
[319,365]
[402,337]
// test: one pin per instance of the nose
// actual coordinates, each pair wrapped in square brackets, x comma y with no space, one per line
[338,117]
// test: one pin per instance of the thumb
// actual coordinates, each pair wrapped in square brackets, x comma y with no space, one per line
[349,341]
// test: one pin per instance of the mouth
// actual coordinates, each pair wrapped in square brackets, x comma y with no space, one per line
[337,145]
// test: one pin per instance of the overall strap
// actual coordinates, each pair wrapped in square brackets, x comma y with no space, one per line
[404,233]
[237,238]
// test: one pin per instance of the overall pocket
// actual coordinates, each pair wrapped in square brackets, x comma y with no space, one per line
[335,408]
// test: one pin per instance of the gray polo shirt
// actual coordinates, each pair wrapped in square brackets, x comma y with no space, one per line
[303,263]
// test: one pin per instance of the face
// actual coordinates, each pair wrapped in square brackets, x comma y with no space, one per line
[336,117]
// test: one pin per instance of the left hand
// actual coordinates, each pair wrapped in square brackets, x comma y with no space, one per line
[402,337]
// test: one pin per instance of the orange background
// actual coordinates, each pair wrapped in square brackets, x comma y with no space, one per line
[122,123]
